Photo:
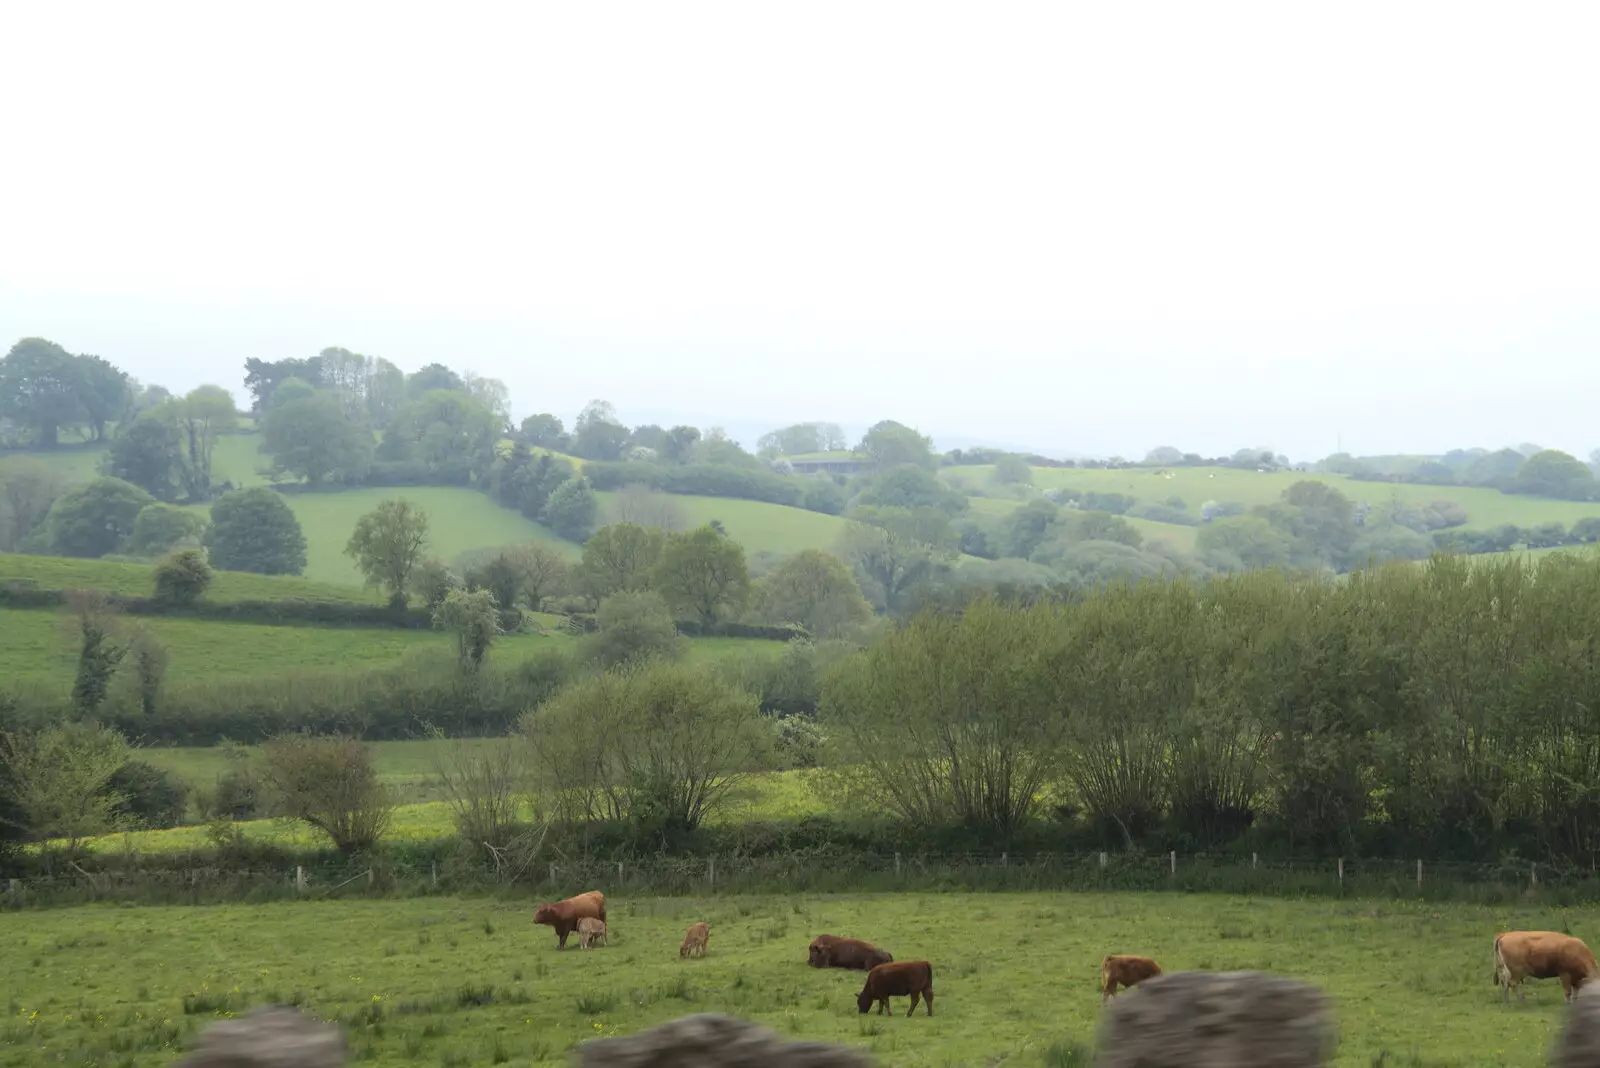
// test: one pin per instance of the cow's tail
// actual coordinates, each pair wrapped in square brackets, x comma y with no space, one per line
[1105,971]
[1499,961]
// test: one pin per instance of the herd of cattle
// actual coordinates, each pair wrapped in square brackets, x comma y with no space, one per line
[1518,955]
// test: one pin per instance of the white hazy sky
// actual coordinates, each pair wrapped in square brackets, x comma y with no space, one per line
[1092,227]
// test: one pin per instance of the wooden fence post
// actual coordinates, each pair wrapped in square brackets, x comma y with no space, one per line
[1254,857]
[897,863]
[369,877]
[711,870]
[1172,862]
[1102,861]
[1005,860]
[1419,873]
[434,871]
[1341,872]
[1533,875]
[299,878]
[552,874]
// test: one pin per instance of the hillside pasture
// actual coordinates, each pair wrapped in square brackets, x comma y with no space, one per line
[459,981]
[1175,534]
[138,580]
[760,527]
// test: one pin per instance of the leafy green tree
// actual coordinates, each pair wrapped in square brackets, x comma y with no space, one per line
[331,784]
[571,509]
[94,624]
[42,387]
[448,432]
[95,518]
[432,378]
[598,434]
[474,618]
[633,626]
[890,558]
[149,660]
[160,527]
[27,490]
[290,390]
[263,377]
[386,392]
[201,417]
[541,571]
[620,558]
[104,393]
[312,438]
[182,577]
[387,545]
[703,573]
[890,444]
[151,797]
[680,444]
[1012,470]
[1552,473]
[1242,542]
[909,486]
[543,431]
[796,440]
[150,455]
[660,745]
[59,781]
[1027,528]
[817,591]
[1498,468]
[256,530]
[1078,526]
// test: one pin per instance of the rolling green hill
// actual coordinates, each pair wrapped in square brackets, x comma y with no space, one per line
[758,526]
[136,580]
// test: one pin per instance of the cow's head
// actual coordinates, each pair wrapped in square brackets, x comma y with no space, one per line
[544,914]
[864,1000]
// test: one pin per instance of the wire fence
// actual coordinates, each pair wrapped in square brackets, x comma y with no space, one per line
[180,879]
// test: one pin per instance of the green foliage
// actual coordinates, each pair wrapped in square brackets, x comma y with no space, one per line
[598,434]
[201,418]
[1553,473]
[149,454]
[182,577]
[94,519]
[910,487]
[452,436]
[620,558]
[543,431]
[59,780]
[93,623]
[331,784]
[387,544]
[474,618]
[800,439]
[657,744]
[311,437]
[815,590]
[891,555]
[42,387]
[1243,542]
[571,510]
[148,658]
[256,530]
[702,574]
[149,797]
[161,527]
[633,626]
[890,444]
[1012,470]
[27,490]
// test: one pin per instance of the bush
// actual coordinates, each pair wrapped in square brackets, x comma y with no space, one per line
[256,530]
[332,784]
[148,796]
[633,626]
[160,527]
[182,577]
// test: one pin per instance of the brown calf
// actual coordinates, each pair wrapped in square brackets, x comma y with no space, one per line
[564,915]
[591,932]
[695,939]
[913,977]
[831,951]
[1119,968]
[1520,955]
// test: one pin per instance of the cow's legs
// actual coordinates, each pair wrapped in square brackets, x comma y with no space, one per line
[915,997]
[927,1000]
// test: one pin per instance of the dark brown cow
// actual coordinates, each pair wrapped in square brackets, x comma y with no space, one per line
[564,915]
[1520,955]
[914,977]
[695,939]
[1120,968]
[831,951]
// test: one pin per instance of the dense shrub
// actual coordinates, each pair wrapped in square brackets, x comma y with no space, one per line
[182,577]
[715,480]
[149,796]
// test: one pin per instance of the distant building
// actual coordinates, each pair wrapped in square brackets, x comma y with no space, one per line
[827,465]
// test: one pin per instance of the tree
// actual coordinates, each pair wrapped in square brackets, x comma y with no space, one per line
[330,783]
[104,393]
[620,558]
[95,518]
[27,490]
[716,447]
[890,444]
[256,530]
[541,571]
[703,573]
[646,507]
[909,486]
[598,434]
[262,377]
[1242,542]
[448,432]
[571,509]
[815,590]
[42,387]
[289,390]
[312,438]
[796,440]
[660,745]
[889,559]
[160,527]
[1012,470]
[59,781]
[201,417]
[387,545]
[386,392]
[1326,519]
[543,431]
[1028,527]
[492,394]
[1552,473]
[150,455]
[1164,456]
[474,618]
[633,626]
[183,576]
[94,624]
[679,444]
[433,377]
[149,659]
[151,797]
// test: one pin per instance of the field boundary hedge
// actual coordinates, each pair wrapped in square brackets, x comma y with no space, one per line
[200,878]
[22,594]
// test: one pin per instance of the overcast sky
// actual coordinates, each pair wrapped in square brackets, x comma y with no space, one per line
[1087,227]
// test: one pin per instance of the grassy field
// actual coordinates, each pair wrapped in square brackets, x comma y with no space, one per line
[1175,534]
[758,526]
[465,982]
[1196,485]
[34,649]
[137,580]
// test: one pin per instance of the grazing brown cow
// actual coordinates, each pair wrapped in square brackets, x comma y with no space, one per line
[1119,968]
[1520,955]
[914,977]
[564,915]
[591,932]
[831,951]
[695,938]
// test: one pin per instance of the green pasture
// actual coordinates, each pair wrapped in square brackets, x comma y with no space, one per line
[448,981]
[1175,534]
[138,580]
[758,526]
[36,648]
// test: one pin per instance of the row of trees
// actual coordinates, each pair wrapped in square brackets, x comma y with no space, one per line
[1526,469]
